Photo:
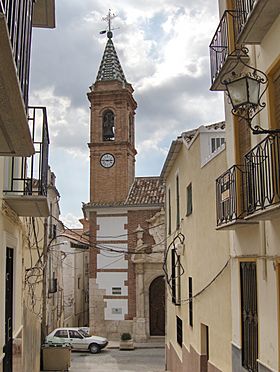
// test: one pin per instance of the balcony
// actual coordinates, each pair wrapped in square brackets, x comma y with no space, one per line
[230,198]
[262,165]
[250,193]
[15,46]
[254,18]
[222,46]
[25,189]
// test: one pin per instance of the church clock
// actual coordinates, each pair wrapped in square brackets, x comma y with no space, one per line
[107,160]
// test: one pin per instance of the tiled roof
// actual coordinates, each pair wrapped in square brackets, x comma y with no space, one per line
[189,135]
[146,191]
[76,234]
[110,67]
[104,204]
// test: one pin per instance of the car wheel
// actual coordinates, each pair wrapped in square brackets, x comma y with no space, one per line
[94,348]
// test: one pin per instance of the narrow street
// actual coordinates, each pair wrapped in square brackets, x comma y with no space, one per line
[110,360]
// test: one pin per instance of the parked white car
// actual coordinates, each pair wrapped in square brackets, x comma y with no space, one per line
[77,339]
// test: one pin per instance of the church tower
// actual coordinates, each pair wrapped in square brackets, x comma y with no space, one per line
[112,146]
[124,214]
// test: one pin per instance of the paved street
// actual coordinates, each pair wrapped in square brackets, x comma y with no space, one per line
[110,360]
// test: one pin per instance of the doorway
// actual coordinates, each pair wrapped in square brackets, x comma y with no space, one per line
[157,307]
[8,348]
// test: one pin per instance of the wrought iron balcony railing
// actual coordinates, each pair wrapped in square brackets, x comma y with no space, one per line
[219,46]
[29,175]
[243,190]
[18,15]
[262,165]
[230,202]
[243,9]
[223,56]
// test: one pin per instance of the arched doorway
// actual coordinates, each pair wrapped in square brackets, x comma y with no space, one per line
[157,307]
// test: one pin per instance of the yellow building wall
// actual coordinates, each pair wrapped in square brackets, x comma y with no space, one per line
[247,241]
[206,253]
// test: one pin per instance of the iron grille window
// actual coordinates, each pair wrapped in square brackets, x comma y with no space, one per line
[249,314]
[190,302]
[177,203]
[175,277]
[179,327]
[189,200]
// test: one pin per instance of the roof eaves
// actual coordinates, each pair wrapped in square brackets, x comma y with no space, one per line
[171,157]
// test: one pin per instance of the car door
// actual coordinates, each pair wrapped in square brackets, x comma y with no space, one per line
[77,341]
[61,334]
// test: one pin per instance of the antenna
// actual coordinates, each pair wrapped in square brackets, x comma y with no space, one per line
[109,17]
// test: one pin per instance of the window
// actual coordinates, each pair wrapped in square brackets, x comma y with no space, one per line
[216,143]
[79,282]
[54,234]
[116,310]
[130,130]
[189,200]
[249,314]
[177,202]
[169,211]
[108,126]
[75,334]
[62,333]
[116,291]
[205,340]
[190,302]
[179,328]
[175,277]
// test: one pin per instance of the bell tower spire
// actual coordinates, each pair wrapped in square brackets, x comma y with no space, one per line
[112,144]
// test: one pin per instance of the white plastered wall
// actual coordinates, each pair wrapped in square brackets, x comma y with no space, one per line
[111,229]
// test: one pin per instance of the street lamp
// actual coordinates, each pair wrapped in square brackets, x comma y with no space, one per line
[245,91]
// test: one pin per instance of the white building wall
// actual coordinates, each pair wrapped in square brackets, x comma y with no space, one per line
[108,280]
[68,285]
[111,260]
[111,228]
[116,309]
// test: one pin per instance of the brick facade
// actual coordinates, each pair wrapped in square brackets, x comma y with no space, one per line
[115,212]
[112,184]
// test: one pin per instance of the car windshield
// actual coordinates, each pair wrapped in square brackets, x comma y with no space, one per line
[84,333]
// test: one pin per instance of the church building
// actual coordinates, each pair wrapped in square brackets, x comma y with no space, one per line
[125,214]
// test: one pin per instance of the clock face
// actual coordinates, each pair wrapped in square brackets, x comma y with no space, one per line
[107,160]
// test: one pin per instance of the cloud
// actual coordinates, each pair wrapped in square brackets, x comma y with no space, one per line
[71,221]
[163,49]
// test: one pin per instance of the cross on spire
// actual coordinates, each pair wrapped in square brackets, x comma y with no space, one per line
[109,17]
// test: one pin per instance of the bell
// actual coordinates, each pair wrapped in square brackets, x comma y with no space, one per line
[108,132]
[108,126]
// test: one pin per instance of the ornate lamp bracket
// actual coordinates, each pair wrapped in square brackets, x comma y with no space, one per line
[245,86]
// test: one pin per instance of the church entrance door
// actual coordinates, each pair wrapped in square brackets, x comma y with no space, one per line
[157,307]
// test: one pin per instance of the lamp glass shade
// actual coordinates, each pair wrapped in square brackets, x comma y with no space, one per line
[253,91]
[237,91]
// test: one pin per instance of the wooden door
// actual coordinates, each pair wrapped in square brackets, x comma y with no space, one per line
[157,307]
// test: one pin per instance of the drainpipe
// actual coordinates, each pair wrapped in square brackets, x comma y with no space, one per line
[263,248]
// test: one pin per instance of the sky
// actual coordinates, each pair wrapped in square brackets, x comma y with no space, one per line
[163,47]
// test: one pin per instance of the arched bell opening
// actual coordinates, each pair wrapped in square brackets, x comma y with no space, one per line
[108,126]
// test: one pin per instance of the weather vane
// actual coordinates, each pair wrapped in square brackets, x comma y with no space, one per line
[109,17]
